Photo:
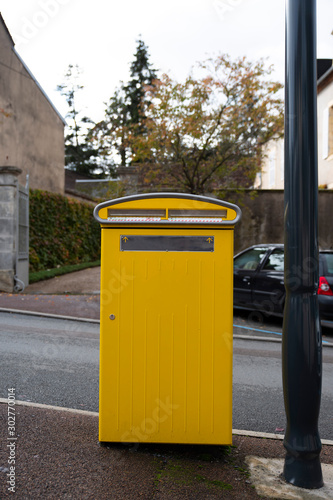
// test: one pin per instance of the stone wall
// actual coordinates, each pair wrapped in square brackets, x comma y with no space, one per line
[262,217]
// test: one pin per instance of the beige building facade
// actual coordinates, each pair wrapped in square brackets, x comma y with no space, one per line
[272,172]
[31,129]
[325,130]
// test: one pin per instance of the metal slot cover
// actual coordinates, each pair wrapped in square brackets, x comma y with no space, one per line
[134,212]
[166,243]
[197,213]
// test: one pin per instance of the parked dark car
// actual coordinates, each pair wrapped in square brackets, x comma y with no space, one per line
[259,280]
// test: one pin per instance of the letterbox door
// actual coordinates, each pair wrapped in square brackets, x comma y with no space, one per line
[166,335]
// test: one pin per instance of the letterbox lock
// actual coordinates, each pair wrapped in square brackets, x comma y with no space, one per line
[112,316]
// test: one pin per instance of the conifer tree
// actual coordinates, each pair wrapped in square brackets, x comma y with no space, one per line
[142,75]
[126,110]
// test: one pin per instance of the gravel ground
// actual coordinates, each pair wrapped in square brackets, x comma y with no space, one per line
[57,455]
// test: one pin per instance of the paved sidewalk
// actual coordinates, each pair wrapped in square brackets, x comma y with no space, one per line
[57,454]
[75,294]
[86,281]
[78,306]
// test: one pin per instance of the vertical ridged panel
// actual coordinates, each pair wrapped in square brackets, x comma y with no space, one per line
[199,342]
[131,345]
[185,361]
[213,333]
[118,354]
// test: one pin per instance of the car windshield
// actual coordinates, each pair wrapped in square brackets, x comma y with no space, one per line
[250,259]
[275,261]
[329,262]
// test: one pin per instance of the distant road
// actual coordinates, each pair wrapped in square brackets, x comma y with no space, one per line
[55,362]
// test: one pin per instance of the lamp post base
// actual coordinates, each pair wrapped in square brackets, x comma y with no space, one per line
[303,472]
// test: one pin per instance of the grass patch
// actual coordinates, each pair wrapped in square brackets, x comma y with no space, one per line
[58,271]
[177,472]
[209,482]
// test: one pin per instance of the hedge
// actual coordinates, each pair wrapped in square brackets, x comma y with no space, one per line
[62,231]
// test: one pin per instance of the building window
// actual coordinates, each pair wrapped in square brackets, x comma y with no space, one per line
[327,132]
[258,181]
[271,169]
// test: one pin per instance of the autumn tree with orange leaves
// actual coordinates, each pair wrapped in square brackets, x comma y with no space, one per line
[208,132]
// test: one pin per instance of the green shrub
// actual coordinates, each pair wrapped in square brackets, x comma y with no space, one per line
[34,277]
[62,231]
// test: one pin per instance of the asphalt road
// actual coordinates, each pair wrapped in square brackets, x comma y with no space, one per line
[55,362]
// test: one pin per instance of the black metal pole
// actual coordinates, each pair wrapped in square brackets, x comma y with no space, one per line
[301,346]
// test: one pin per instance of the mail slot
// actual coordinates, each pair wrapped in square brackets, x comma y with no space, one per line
[166,319]
[167,243]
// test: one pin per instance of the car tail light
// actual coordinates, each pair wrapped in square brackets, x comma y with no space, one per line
[324,288]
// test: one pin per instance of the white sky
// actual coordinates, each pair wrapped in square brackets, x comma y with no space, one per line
[100,36]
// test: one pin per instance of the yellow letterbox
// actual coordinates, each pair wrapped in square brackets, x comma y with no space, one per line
[166,319]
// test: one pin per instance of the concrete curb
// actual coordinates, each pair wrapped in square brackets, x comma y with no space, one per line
[256,337]
[48,315]
[267,435]
[271,339]
[236,432]
[96,321]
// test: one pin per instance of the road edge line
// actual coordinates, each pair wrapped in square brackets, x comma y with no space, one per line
[51,407]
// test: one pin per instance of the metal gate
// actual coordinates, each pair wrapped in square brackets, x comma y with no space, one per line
[22,252]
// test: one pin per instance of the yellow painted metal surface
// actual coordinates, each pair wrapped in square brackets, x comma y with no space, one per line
[166,338]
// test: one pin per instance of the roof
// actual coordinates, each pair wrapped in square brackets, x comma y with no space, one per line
[7,30]
[28,70]
[323,65]
[71,177]
[325,80]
